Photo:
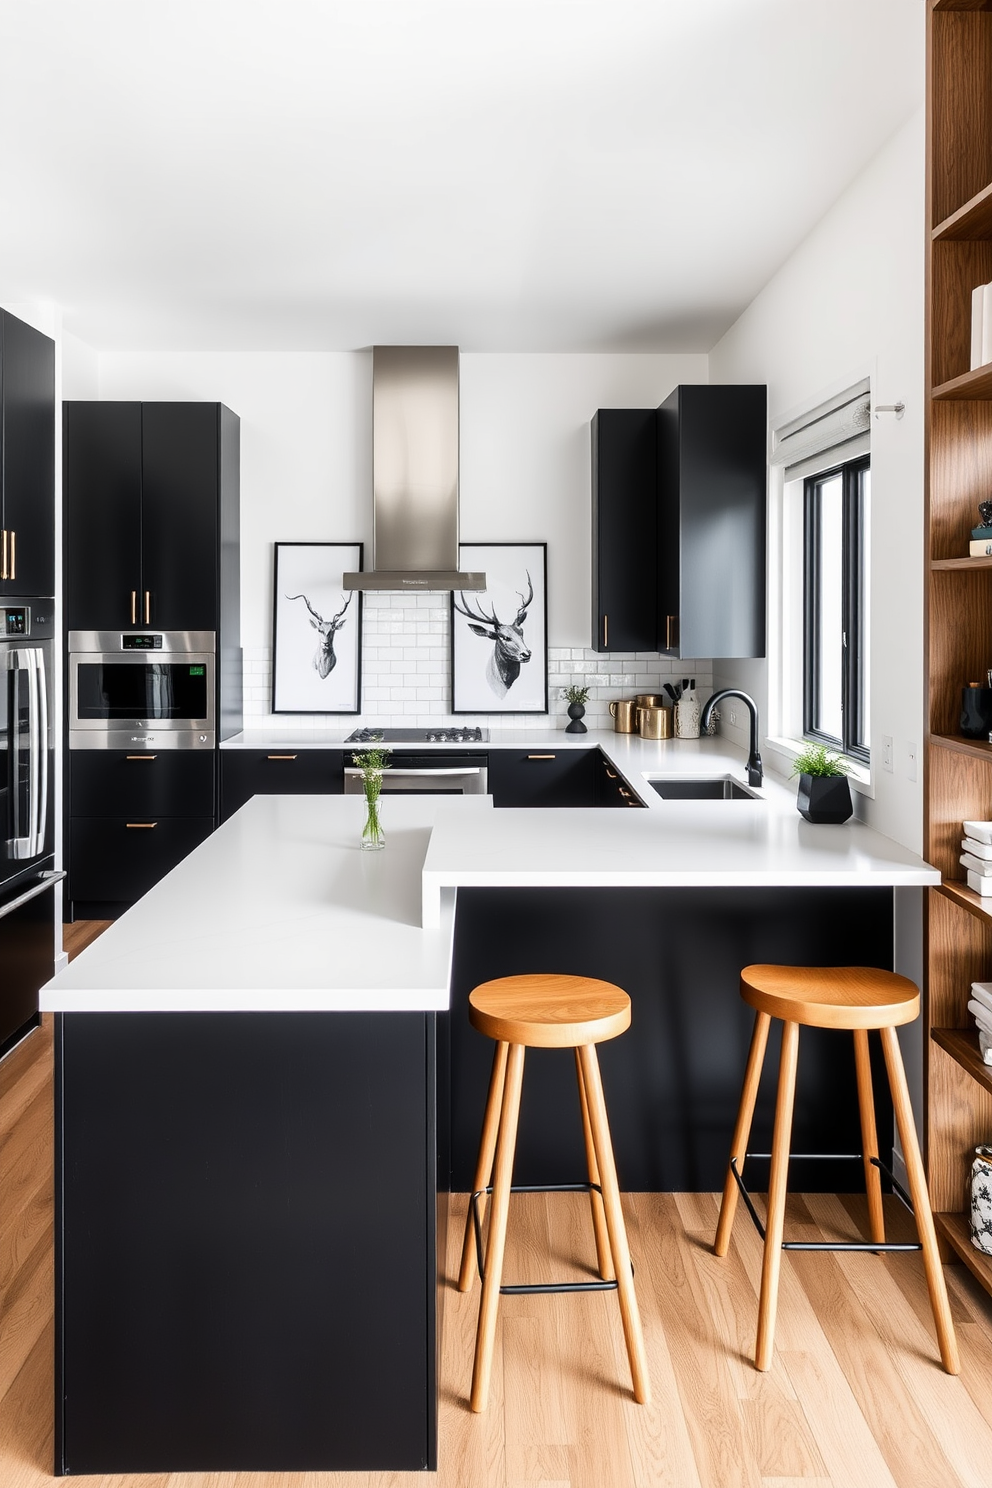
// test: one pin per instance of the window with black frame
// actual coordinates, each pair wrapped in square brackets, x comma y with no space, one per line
[836,607]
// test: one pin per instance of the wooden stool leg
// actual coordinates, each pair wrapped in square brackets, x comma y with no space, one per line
[742,1131]
[604,1258]
[777,1186]
[614,1223]
[502,1178]
[869,1135]
[921,1201]
[484,1165]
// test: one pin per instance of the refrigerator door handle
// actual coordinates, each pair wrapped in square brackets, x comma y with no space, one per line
[47,880]
[28,843]
[39,788]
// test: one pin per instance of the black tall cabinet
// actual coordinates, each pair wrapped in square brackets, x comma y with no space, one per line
[151,532]
[27,459]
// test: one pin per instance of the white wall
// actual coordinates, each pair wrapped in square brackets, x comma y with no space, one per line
[849,303]
[525,476]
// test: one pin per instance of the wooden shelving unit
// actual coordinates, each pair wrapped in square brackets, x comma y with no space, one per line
[957,771]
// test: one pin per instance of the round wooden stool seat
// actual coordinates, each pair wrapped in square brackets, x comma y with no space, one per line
[549,1012]
[831,996]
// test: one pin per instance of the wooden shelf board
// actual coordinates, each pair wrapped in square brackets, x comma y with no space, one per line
[969,223]
[977,748]
[966,898]
[954,1229]
[962,1045]
[976,385]
[961,4]
[952,565]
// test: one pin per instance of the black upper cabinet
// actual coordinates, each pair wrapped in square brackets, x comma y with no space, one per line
[27,459]
[624,530]
[146,495]
[712,480]
[101,444]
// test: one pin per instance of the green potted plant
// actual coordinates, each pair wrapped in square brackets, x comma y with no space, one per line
[372,762]
[824,789]
[576,697]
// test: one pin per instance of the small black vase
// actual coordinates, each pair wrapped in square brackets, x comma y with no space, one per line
[825,798]
[976,712]
[576,713]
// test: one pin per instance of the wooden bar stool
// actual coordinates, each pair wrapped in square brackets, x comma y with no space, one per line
[547,1012]
[858,998]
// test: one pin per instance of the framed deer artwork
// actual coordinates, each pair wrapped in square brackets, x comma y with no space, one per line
[316,629]
[499,638]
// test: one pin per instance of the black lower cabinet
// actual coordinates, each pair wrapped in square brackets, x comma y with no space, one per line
[114,860]
[246,1242]
[543,777]
[258,772]
[673,1080]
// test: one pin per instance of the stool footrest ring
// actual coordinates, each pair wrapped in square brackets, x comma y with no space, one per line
[873,1246]
[535,1288]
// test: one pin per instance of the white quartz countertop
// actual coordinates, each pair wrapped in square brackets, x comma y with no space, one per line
[279,910]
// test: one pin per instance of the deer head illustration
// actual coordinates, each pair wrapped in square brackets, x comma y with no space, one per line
[510,650]
[324,660]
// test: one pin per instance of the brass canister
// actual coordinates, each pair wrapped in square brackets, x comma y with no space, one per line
[654,722]
[624,712]
[649,700]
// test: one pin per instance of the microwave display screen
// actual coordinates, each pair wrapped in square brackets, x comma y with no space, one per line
[155,689]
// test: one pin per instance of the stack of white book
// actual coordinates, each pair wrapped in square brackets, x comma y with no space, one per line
[981,325]
[980,1007]
[976,855]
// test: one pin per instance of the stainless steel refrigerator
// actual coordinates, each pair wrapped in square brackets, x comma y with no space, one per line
[27,838]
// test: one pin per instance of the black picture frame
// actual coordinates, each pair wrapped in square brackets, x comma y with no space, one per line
[486,678]
[312,573]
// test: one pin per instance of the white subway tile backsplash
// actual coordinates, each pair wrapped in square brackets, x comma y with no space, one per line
[406,675]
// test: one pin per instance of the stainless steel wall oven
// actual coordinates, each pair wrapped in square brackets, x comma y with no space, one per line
[142,687]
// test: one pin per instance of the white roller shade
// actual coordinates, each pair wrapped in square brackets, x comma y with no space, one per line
[838,429]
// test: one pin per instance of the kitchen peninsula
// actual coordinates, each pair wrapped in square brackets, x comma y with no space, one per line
[254,1065]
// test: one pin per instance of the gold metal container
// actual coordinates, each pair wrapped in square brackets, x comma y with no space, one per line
[649,700]
[624,712]
[654,722]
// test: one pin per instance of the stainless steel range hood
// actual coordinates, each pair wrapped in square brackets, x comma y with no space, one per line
[414,472]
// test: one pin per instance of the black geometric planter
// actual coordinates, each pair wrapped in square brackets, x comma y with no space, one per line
[825,798]
[575,713]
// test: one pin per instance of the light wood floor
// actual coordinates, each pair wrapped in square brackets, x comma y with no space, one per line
[856,1398]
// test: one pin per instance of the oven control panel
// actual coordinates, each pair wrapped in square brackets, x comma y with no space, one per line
[145,642]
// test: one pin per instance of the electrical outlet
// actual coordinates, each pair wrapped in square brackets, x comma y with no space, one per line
[887,752]
[731,716]
[910,761]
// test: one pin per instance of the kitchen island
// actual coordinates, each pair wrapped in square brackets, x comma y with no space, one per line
[252,1129]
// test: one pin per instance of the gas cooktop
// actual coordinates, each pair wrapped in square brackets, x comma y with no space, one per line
[418,736]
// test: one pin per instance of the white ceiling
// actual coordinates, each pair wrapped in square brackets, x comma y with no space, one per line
[528,175]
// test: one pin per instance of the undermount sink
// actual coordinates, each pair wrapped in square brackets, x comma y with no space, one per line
[703,788]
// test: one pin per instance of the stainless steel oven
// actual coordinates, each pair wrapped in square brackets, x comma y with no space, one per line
[142,687]
[427,774]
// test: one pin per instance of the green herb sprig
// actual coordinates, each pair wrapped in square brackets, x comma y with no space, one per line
[575,694]
[816,760]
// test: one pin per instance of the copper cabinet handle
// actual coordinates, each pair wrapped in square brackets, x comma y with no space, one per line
[625,793]
[3,561]
[141,826]
[280,756]
[142,756]
[671,621]
[134,606]
[541,756]
[611,773]
[148,607]
[13,554]
[606,631]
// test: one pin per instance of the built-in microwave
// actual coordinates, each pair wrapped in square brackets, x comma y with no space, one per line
[138,688]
